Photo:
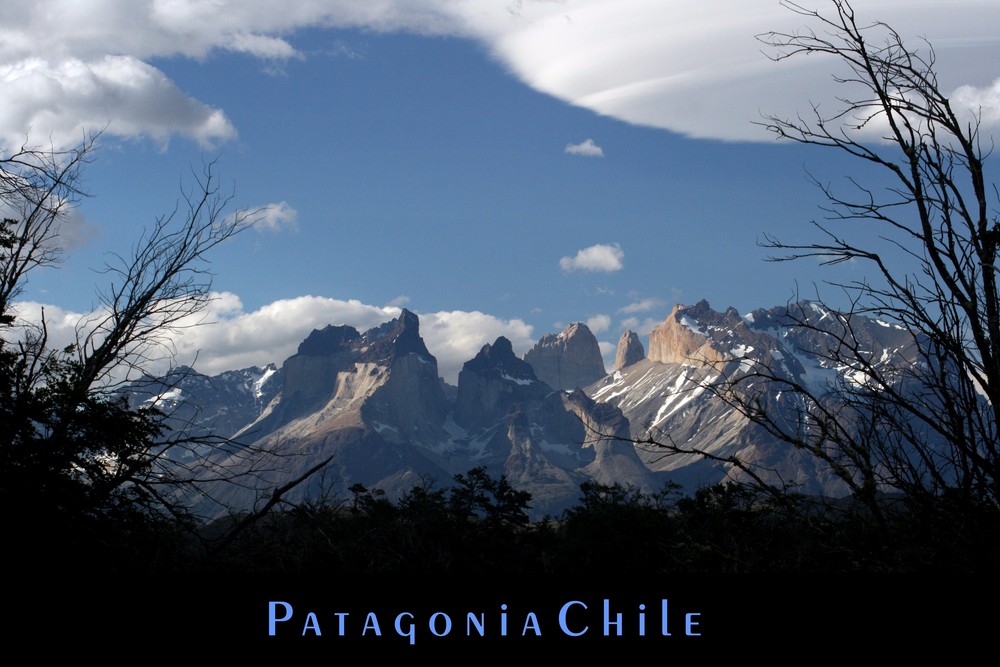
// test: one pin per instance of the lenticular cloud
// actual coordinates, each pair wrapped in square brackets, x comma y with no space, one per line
[697,68]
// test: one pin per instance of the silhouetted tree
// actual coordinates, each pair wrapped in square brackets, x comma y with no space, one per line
[926,432]
[72,452]
[476,495]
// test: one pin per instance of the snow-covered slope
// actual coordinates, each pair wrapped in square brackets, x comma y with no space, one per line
[672,398]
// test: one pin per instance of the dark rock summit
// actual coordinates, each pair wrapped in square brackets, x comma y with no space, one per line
[490,384]
[394,339]
[499,359]
[327,341]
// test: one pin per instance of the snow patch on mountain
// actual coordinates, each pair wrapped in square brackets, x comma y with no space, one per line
[166,399]
[261,380]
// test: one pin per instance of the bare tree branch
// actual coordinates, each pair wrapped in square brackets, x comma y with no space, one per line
[926,429]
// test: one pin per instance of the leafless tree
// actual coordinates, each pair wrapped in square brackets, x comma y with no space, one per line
[68,442]
[926,430]
[160,286]
[36,189]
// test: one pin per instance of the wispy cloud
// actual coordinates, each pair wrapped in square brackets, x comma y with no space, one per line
[586,148]
[274,217]
[642,306]
[600,257]
[71,229]
[399,301]
[640,327]
[262,46]
[599,323]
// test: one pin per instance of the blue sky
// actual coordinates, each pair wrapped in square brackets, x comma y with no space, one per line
[497,167]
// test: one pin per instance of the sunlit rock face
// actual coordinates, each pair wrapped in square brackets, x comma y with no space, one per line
[673,399]
[569,359]
[629,351]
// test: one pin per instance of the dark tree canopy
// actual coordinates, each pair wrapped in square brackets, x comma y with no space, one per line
[73,453]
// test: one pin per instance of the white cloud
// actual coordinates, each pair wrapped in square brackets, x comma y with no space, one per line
[600,257]
[228,337]
[587,149]
[273,217]
[71,229]
[598,323]
[980,99]
[691,67]
[225,336]
[233,338]
[67,67]
[262,46]
[399,301]
[698,69]
[60,324]
[193,28]
[62,100]
[455,337]
[642,306]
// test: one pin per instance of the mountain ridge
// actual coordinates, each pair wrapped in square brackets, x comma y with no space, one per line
[373,401]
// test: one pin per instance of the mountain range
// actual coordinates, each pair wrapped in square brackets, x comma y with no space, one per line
[373,404]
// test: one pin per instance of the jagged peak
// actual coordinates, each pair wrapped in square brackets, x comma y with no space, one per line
[701,309]
[381,344]
[395,338]
[629,350]
[500,357]
[693,333]
[702,312]
[502,347]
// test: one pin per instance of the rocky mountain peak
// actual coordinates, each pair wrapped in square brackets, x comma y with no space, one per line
[342,379]
[692,334]
[499,359]
[375,403]
[395,338]
[569,359]
[493,382]
[198,404]
[630,350]
[328,340]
